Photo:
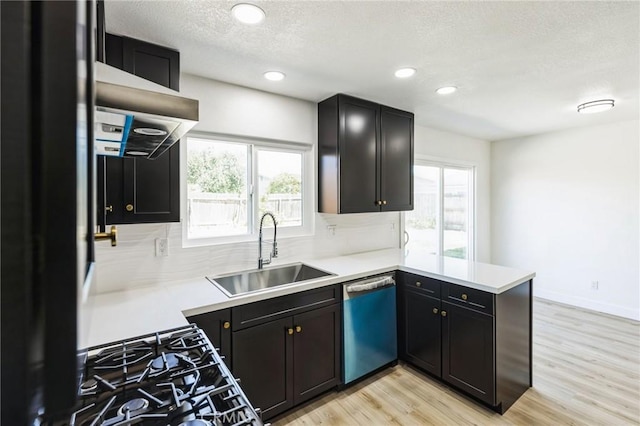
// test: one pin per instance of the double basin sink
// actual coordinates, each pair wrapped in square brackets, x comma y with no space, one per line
[261,279]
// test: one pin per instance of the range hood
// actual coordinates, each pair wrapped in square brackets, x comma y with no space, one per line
[135,117]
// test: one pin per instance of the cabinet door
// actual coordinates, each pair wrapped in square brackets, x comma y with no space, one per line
[152,188]
[421,331]
[156,63]
[468,354]
[316,352]
[217,326]
[262,356]
[396,159]
[133,190]
[358,164]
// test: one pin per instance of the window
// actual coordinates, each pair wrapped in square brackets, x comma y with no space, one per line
[280,186]
[231,184]
[442,220]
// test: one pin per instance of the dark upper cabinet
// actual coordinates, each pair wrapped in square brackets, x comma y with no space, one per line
[396,159]
[217,326]
[365,159]
[149,61]
[133,190]
[156,63]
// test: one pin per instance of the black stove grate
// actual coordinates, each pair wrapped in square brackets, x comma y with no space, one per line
[173,378]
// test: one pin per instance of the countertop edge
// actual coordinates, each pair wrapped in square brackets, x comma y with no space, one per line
[478,286]
[285,290]
[136,311]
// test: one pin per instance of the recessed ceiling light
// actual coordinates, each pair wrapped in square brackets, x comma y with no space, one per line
[405,72]
[274,75]
[447,90]
[596,106]
[248,13]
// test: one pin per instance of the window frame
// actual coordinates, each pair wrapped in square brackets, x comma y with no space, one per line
[441,164]
[254,145]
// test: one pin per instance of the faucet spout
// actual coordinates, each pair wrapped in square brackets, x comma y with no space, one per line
[274,250]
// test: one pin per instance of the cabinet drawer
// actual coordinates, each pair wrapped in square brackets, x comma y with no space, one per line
[256,313]
[471,298]
[428,286]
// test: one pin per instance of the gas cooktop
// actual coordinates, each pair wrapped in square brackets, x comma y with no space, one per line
[173,378]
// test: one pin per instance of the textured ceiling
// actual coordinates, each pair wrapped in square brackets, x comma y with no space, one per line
[521,67]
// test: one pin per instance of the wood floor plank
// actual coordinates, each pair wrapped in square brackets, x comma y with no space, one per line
[586,371]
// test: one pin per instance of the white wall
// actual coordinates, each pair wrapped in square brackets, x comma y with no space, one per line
[566,205]
[452,148]
[235,110]
[226,109]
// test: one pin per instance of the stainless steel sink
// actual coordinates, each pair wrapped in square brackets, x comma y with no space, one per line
[261,279]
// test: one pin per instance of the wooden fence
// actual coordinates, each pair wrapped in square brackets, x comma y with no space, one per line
[208,210]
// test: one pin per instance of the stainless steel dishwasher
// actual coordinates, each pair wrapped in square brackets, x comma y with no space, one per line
[369,325]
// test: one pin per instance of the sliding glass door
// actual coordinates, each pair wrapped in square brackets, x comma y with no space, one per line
[442,220]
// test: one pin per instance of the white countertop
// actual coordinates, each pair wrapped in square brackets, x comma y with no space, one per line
[124,314]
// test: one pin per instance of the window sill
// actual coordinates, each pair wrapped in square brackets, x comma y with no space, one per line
[247,238]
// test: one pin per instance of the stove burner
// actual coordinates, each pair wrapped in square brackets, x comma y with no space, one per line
[197,422]
[172,377]
[133,406]
[89,385]
[159,364]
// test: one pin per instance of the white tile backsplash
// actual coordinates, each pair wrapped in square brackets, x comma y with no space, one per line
[133,263]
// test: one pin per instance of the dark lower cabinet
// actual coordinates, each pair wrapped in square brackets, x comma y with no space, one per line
[478,342]
[468,351]
[217,326]
[316,352]
[287,350]
[262,360]
[420,334]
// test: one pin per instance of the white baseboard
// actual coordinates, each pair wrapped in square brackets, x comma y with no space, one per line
[581,302]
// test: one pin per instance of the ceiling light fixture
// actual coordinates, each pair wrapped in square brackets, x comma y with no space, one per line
[274,75]
[596,106]
[446,90]
[405,72]
[248,13]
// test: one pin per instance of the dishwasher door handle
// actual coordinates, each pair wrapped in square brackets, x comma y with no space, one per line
[370,285]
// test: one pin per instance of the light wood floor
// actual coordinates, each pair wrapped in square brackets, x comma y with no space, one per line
[586,371]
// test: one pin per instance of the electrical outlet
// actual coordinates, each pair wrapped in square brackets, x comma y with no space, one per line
[162,247]
[594,285]
[331,230]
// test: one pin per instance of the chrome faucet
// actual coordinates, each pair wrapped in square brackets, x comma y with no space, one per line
[274,251]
